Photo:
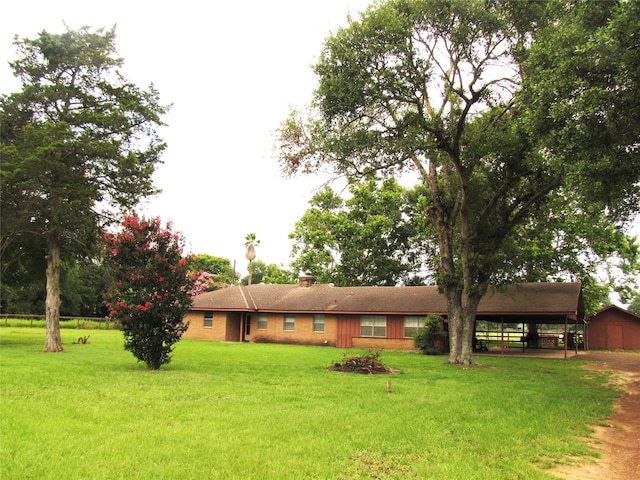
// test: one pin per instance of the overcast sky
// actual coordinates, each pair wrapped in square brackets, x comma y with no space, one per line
[232,70]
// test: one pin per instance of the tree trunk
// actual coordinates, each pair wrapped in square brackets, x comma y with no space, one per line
[454,317]
[53,342]
[455,270]
[462,301]
[469,311]
[462,310]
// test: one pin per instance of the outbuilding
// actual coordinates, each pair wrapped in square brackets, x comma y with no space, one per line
[613,328]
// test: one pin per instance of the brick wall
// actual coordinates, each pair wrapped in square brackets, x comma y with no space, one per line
[302,332]
[377,343]
[197,330]
[226,327]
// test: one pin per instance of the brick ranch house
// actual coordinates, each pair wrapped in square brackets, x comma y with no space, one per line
[613,328]
[361,317]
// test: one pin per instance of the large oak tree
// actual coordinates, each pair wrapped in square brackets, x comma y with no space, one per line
[465,93]
[78,142]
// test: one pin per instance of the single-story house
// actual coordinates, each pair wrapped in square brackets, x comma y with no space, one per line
[361,317]
[613,328]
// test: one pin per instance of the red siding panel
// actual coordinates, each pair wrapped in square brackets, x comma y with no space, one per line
[348,328]
[395,327]
[615,338]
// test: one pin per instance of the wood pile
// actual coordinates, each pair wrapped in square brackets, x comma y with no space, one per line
[368,363]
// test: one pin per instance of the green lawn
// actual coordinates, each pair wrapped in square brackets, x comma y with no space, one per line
[244,411]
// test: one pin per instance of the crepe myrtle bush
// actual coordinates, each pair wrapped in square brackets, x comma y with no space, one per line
[202,282]
[150,293]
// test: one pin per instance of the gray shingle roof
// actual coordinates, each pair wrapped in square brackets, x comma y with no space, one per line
[524,299]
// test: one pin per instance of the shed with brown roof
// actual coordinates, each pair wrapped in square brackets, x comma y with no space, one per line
[361,317]
[613,328]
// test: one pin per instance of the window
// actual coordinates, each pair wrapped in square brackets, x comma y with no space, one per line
[289,323]
[412,324]
[373,326]
[208,319]
[318,323]
[262,322]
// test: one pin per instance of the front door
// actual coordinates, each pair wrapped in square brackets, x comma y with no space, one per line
[247,328]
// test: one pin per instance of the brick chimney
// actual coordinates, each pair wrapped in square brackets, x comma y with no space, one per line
[306,280]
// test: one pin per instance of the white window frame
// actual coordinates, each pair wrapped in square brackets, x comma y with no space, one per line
[373,326]
[208,320]
[318,323]
[262,321]
[289,323]
[413,324]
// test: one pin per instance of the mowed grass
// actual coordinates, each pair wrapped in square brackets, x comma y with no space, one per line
[260,411]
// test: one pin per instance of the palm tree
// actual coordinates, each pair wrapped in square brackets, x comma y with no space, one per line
[251,242]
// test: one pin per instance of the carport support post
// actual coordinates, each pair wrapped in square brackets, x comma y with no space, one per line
[501,335]
[565,337]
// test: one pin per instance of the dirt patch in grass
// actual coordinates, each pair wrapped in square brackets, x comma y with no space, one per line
[617,440]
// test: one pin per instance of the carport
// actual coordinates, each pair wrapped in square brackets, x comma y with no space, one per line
[519,315]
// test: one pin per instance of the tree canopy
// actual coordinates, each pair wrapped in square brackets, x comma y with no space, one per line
[495,110]
[78,143]
[219,268]
[635,304]
[271,273]
[581,88]
[369,239]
